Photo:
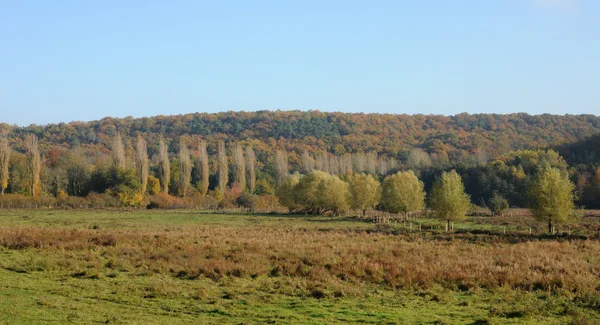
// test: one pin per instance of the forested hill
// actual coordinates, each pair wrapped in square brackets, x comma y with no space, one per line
[457,136]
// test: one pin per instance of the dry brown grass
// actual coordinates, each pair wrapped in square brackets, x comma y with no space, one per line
[325,258]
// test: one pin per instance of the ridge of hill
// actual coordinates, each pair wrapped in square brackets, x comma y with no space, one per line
[387,134]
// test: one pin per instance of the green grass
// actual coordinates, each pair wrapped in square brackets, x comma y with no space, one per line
[35,291]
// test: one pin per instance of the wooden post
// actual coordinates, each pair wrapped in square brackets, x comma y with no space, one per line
[504,230]
[419,226]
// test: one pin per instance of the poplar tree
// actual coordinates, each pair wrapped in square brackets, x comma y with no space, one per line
[239,165]
[251,166]
[141,162]
[223,168]
[4,162]
[308,163]
[281,166]
[185,166]
[118,151]
[34,165]
[164,166]
[203,168]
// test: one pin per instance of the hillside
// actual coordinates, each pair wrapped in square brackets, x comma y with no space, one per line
[393,135]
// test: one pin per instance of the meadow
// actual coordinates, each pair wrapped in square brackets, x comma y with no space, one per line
[185,266]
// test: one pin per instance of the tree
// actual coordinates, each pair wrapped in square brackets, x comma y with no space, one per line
[185,166]
[141,163]
[320,192]
[418,158]
[122,183]
[203,167]
[164,166]
[34,164]
[308,163]
[4,163]
[251,165]
[551,197]
[118,151]
[448,198]
[306,191]
[365,192]
[78,173]
[498,205]
[239,165]
[403,192]
[333,195]
[281,167]
[287,192]
[223,169]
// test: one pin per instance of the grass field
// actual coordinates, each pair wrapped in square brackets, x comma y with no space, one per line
[182,267]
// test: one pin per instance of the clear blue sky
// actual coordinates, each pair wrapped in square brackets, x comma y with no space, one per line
[84,60]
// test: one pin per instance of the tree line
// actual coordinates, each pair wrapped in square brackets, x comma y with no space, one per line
[323,182]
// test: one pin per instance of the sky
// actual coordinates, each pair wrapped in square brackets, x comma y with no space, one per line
[62,61]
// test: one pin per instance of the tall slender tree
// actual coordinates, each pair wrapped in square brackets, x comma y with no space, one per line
[223,174]
[118,151]
[4,162]
[204,172]
[34,164]
[281,167]
[141,162]
[371,166]
[185,166]
[239,165]
[251,166]
[308,163]
[164,166]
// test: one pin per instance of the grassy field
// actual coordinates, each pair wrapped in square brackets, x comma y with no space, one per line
[181,267]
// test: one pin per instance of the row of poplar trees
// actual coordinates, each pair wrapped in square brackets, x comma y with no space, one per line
[243,165]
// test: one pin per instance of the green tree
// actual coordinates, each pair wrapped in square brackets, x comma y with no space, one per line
[448,198]
[333,195]
[365,192]
[498,205]
[551,197]
[286,192]
[403,192]
[306,192]
[320,192]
